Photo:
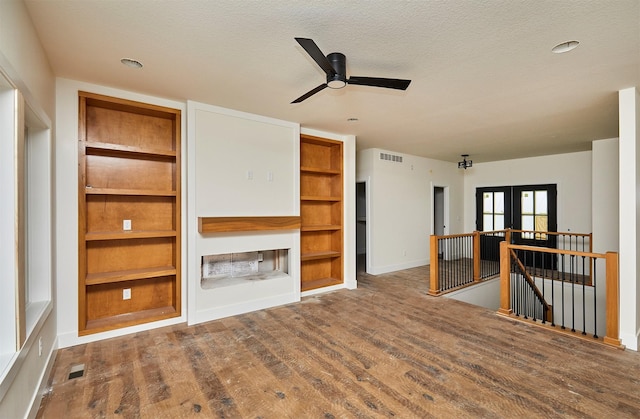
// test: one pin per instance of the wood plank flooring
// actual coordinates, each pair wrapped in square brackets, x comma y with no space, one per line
[384,350]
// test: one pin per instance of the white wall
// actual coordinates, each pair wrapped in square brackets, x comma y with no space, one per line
[571,172]
[25,64]
[605,195]
[485,294]
[67,208]
[399,201]
[231,155]
[629,109]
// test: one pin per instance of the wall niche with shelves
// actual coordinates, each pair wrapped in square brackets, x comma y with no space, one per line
[129,213]
[321,212]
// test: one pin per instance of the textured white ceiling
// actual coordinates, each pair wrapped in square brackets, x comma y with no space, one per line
[484,80]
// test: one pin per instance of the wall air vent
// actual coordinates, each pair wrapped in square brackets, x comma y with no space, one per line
[391,157]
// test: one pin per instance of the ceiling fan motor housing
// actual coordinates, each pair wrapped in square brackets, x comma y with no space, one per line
[339,63]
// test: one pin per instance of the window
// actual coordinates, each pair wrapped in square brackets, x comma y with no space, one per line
[37,217]
[535,214]
[8,202]
[493,211]
[25,223]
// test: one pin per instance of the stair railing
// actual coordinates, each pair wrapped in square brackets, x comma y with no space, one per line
[459,260]
[573,304]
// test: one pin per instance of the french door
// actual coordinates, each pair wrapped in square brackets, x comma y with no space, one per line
[528,207]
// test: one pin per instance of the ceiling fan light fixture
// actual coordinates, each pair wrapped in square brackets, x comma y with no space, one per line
[336,84]
[337,81]
[565,47]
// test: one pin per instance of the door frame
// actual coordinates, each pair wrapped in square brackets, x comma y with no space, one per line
[446,208]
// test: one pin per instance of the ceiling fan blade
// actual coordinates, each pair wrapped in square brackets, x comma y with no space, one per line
[310,93]
[317,55]
[398,84]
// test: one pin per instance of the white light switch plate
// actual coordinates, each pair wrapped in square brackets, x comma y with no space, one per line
[126,224]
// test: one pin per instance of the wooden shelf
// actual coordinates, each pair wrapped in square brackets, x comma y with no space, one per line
[123,235]
[132,192]
[319,255]
[129,319]
[323,227]
[128,275]
[321,210]
[129,167]
[321,198]
[224,224]
[319,283]
[126,149]
[319,171]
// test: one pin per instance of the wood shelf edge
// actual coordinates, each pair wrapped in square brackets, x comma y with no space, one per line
[129,275]
[132,234]
[319,283]
[133,192]
[317,170]
[319,255]
[128,319]
[227,224]
[323,227]
[320,198]
[121,148]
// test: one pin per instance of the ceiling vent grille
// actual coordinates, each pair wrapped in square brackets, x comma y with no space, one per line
[390,157]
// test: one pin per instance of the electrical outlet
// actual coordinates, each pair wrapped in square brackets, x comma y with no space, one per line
[249,174]
[270,176]
[126,225]
[40,346]
[126,294]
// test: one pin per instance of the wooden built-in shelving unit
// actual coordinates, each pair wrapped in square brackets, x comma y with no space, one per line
[321,209]
[129,169]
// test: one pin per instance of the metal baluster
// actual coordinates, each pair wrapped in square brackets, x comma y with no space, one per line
[584,305]
[553,302]
[573,300]
[524,298]
[544,275]
[595,311]
[562,289]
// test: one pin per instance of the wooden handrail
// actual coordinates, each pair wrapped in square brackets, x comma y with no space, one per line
[453,236]
[554,233]
[494,231]
[556,251]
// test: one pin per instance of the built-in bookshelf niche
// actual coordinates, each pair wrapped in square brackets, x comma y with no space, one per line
[230,269]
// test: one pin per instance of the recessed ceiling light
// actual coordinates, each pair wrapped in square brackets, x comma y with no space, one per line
[352,119]
[131,63]
[565,47]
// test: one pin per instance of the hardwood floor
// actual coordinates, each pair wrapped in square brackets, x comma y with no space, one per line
[384,350]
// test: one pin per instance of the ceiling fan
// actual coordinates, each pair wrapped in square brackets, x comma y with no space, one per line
[335,65]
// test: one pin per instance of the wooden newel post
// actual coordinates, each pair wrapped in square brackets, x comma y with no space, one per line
[433,268]
[505,279]
[476,257]
[613,300]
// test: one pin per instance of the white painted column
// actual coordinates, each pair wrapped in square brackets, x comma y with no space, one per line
[629,115]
